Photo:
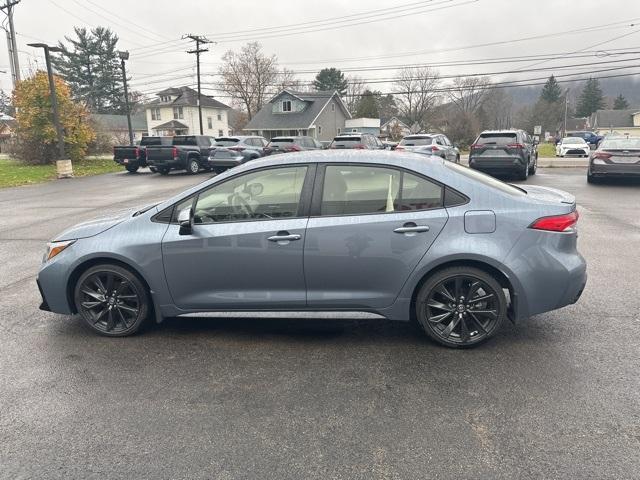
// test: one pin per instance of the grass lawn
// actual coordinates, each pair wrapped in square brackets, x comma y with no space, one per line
[14,173]
[546,150]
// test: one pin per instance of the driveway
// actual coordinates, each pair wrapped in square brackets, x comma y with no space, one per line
[289,398]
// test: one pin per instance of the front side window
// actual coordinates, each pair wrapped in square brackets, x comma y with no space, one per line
[155,114]
[209,123]
[286,105]
[263,195]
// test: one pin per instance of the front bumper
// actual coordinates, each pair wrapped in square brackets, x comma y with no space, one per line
[572,152]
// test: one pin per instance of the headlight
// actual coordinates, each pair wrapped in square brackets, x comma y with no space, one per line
[54,248]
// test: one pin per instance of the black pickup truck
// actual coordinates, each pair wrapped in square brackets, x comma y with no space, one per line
[132,157]
[186,152]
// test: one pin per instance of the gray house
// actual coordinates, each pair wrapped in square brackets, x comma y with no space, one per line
[320,115]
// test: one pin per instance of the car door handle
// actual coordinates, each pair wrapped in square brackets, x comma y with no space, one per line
[284,237]
[412,228]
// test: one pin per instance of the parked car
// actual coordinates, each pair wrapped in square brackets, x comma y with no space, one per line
[430,144]
[133,157]
[221,159]
[186,152]
[575,146]
[292,144]
[615,157]
[250,147]
[394,234]
[504,152]
[358,141]
[591,138]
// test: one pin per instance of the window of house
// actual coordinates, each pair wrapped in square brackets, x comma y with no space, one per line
[155,114]
[220,133]
[177,113]
[266,194]
[333,107]
[359,189]
[319,129]
[286,105]
[219,117]
[209,123]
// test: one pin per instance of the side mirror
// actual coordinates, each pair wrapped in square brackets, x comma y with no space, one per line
[185,220]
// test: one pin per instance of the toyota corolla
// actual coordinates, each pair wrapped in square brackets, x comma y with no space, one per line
[397,234]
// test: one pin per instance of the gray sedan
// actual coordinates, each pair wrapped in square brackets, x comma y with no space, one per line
[398,234]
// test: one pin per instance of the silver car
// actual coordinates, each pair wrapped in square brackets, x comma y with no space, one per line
[398,234]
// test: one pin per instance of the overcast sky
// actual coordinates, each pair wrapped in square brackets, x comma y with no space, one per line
[395,33]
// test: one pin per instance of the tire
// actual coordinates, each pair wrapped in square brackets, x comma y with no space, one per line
[164,171]
[457,158]
[524,174]
[193,167]
[533,167]
[111,300]
[132,168]
[153,169]
[471,323]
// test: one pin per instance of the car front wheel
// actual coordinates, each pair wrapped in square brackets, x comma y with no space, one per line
[461,307]
[111,300]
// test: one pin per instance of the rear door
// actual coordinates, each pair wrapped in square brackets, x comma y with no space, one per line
[369,228]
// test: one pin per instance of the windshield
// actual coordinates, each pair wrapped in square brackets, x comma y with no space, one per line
[574,141]
[497,138]
[226,142]
[485,179]
[415,141]
[620,143]
[348,139]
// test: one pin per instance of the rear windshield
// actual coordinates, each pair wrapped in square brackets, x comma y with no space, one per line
[153,141]
[497,138]
[574,140]
[620,144]
[347,139]
[485,179]
[226,142]
[282,140]
[416,141]
[185,140]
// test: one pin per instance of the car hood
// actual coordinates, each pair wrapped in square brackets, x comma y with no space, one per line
[95,226]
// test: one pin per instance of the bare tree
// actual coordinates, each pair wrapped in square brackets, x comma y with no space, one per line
[249,76]
[468,93]
[417,95]
[497,109]
[355,88]
[288,80]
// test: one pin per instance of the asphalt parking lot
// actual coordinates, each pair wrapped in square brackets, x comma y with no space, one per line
[284,398]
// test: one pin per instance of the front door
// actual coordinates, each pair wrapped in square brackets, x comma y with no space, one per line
[369,229]
[245,250]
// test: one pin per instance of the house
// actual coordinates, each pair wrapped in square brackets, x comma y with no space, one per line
[115,127]
[363,125]
[394,128]
[175,112]
[7,128]
[320,115]
[619,122]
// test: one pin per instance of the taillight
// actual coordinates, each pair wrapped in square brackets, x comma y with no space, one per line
[137,152]
[434,148]
[359,146]
[237,149]
[292,148]
[476,146]
[602,155]
[515,145]
[556,223]
[399,148]
[175,152]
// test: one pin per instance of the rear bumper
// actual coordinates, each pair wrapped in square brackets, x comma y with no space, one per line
[171,164]
[497,164]
[227,162]
[615,170]
[130,161]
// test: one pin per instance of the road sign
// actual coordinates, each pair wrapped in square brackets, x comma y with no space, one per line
[537,130]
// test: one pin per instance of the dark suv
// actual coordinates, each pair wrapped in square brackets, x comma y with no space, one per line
[358,141]
[292,144]
[504,152]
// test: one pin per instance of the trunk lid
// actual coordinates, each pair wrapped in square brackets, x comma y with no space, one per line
[547,195]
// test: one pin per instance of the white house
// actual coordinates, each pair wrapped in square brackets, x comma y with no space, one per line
[175,112]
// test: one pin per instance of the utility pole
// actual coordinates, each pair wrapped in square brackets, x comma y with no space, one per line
[52,93]
[12,46]
[200,40]
[566,111]
[125,56]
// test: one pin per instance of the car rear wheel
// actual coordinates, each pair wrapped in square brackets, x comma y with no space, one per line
[111,300]
[461,307]
[193,166]
[164,171]
[132,168]
[524,174]
[533,167]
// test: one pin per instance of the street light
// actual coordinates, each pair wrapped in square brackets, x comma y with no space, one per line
[125,56]
[52,93]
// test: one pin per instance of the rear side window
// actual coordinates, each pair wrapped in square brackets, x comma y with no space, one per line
[497,138]
[355,189]
[186,140]
[416,141]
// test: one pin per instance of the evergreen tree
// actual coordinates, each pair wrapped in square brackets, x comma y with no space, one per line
[368,105]
[620,103]
[90,65]
[331,79]
[6,105]
[551,92]
[591,98]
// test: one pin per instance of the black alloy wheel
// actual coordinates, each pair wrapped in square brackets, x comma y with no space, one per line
[461,307]
[111,300]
